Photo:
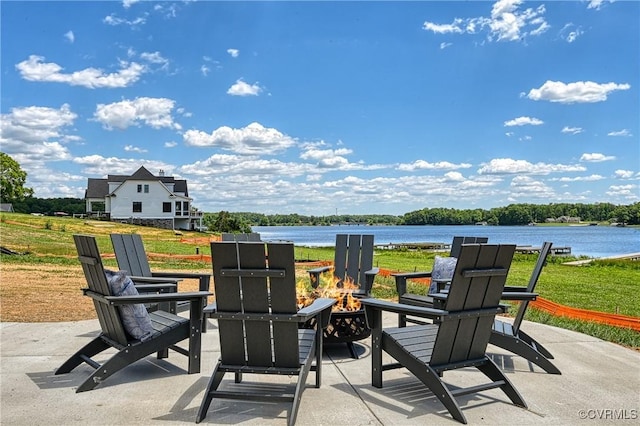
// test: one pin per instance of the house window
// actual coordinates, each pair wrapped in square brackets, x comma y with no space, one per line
[146,189]
[166,207]
[185,207]
[178,208]
[139,188]
[137,207]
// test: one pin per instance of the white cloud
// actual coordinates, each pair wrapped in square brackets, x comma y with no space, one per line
[506,23]
[34,137]
[425,165]
[597,4]
[590,178]
[170,144]
[154,58]
[240,88]
[204,70]
[596,157]
[35,132]
[253,139]
[572,130]
[626,174]
[69,36]
[34,69]
[113,20]
[522,121]
[127,3]
[570,33]
[327,158]
[623,132]
[443,28]
[97,165]
[501,166]
[131,148]
[580,91]
[233,52]
[626,192]
[527,187]
[445,45]
[153,112]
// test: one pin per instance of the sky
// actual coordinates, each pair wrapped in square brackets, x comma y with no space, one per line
[320,108]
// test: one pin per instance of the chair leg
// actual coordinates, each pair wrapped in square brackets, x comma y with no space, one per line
[523,349]
[214,382]
[433,381]
[352,350]
[297,396]
[491,370]
[534,344]
[92,348]
[116,363]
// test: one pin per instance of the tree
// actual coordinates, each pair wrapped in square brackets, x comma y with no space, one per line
[225,222]
[12,180]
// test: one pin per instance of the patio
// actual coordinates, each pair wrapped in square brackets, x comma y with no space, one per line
[599,381]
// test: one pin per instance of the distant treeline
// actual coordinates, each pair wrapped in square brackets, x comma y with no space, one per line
[513,214]
[522,214]
[49,206]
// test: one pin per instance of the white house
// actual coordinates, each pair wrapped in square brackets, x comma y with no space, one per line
[143,199]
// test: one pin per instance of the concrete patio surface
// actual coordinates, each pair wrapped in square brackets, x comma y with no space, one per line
[600,384]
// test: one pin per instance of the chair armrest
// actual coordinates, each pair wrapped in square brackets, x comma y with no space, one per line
[152,298]
[319,270]
[513,295]
[162,288]
[153,280]
[514,288]
[402,277]
[320,306]
[314,274]
[204,278]
[399,308]
[372,271]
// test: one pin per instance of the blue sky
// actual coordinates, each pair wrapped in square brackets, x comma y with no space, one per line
[318,107]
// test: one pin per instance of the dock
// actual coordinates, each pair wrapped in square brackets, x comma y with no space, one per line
[415,246]
[444,247]
[629,256]
[556,251]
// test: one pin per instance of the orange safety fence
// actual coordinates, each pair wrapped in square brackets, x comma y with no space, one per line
[587,315]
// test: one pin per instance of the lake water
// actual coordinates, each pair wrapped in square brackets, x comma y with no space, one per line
[592,241]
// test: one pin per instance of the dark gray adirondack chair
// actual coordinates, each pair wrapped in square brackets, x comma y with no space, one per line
[169,329]
[460,333]
[251,236]
[509,336]
[258,322]
[353,259]
[420,300]
[131,257]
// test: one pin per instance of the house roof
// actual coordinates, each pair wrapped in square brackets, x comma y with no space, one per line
[99,188]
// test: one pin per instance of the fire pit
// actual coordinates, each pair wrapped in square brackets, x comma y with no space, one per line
[348,322]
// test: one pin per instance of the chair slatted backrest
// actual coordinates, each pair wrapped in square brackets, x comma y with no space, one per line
[259,279]
[130,254]
[108,315]
[476,288]
[353,257]
[459,241]
[251,236]
[537,270]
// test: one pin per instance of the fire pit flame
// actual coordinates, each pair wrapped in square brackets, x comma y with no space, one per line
[331,287]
